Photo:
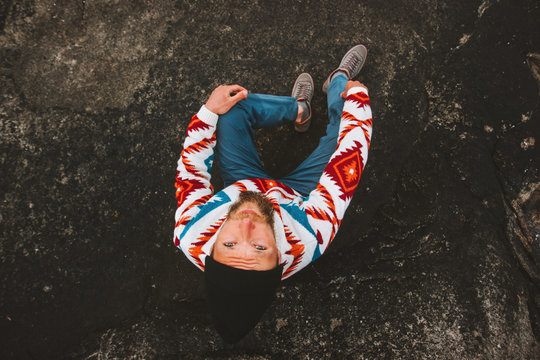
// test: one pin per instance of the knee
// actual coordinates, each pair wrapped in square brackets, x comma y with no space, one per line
[233,118]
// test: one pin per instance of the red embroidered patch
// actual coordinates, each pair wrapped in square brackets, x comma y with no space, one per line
[346,169]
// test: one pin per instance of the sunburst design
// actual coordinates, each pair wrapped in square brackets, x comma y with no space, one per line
[350,171]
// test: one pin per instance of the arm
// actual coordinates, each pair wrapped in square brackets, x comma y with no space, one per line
[326,205]
[193,187]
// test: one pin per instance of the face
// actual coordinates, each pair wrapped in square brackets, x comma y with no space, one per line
[246,240]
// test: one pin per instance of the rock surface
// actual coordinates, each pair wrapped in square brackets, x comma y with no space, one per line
[439,253]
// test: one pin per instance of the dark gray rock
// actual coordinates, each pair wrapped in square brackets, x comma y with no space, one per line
[438,256]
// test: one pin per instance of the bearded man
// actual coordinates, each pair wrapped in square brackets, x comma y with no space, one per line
[259,230]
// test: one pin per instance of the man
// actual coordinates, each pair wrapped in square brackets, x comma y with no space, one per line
[259,230]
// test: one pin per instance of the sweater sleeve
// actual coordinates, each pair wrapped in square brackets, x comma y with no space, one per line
[326,205]
[193,187]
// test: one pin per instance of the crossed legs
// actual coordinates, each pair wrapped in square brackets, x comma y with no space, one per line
[237,156]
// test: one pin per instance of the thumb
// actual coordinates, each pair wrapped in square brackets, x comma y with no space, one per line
[344,95]
[240,96]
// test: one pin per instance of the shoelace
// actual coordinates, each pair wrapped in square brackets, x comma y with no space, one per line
[352,62]
[303,91]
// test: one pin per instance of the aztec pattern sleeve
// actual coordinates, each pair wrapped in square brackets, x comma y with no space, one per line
[326,205]
[193,187]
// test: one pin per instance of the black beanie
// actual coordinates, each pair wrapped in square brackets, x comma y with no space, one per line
[238,298]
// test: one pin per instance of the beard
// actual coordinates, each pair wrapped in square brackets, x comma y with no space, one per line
[264,205]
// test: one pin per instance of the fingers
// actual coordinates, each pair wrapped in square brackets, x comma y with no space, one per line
[234,89]
[224,97]
[240,95]
[236,93]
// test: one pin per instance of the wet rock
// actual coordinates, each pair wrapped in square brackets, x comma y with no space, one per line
[534,62]
[85,55]
[437,256]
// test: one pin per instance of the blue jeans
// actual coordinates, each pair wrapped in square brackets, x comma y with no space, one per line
[237,157]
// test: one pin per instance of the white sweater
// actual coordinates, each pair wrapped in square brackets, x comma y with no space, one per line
[303,226]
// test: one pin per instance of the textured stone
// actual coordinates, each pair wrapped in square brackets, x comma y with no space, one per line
[437,257]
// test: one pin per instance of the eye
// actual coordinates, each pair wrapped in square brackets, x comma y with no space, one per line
[228,244]
[259,247]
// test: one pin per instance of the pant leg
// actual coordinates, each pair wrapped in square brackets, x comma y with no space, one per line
[306,176]
[236,155]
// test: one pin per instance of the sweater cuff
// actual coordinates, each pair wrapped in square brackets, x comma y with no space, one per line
[357,89]
[207,116]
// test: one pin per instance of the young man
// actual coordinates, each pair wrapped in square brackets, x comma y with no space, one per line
[259,230]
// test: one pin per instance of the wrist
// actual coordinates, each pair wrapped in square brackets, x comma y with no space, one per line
[207,116]
[210,108]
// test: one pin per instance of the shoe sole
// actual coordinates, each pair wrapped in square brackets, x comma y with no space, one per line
[363,51]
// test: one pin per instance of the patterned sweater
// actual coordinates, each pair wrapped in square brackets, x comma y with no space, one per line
[304,226]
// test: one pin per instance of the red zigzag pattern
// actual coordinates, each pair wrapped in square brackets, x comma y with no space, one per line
[296,250]
[196,249]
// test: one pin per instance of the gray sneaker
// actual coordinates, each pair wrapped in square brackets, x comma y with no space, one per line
[351,64]
[303,91]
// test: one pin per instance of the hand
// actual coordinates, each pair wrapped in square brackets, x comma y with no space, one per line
[350,85]
[224,97]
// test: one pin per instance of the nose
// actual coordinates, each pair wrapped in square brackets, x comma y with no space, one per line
[246,225]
